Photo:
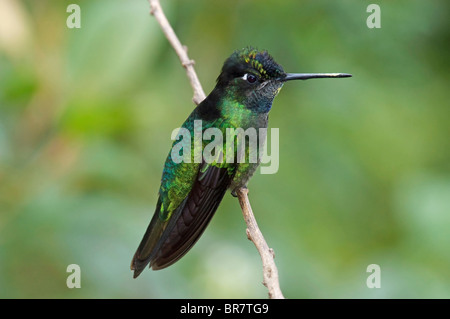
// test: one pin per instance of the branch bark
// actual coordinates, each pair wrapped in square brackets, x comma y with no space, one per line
[270,271]
[181,51]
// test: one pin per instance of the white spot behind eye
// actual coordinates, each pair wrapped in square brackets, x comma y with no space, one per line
[245,77]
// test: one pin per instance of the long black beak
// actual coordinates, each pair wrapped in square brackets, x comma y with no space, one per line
[306,76]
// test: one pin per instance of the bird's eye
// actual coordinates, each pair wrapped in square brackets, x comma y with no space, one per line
[250,78]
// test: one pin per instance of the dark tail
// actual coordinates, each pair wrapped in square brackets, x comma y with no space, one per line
[165,242]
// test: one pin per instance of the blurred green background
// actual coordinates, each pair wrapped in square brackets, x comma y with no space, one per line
[364,177]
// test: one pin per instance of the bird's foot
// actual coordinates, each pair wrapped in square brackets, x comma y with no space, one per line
[233,192]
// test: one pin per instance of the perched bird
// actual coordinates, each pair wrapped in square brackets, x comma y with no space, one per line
[191,191]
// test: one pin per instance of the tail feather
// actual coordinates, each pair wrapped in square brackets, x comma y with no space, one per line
[165,242]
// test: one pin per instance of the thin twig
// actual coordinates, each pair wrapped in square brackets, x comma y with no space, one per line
[181,51]
[270,271]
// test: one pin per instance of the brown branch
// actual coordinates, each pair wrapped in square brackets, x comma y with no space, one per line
[270,272]
[181,51]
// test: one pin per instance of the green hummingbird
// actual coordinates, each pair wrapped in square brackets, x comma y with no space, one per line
[191,191]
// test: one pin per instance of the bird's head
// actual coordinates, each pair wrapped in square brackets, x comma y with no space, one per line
[253,78]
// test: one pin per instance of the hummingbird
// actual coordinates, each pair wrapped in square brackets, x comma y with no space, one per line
[191,191]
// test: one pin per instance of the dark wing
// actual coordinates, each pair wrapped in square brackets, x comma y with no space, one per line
[166,242]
